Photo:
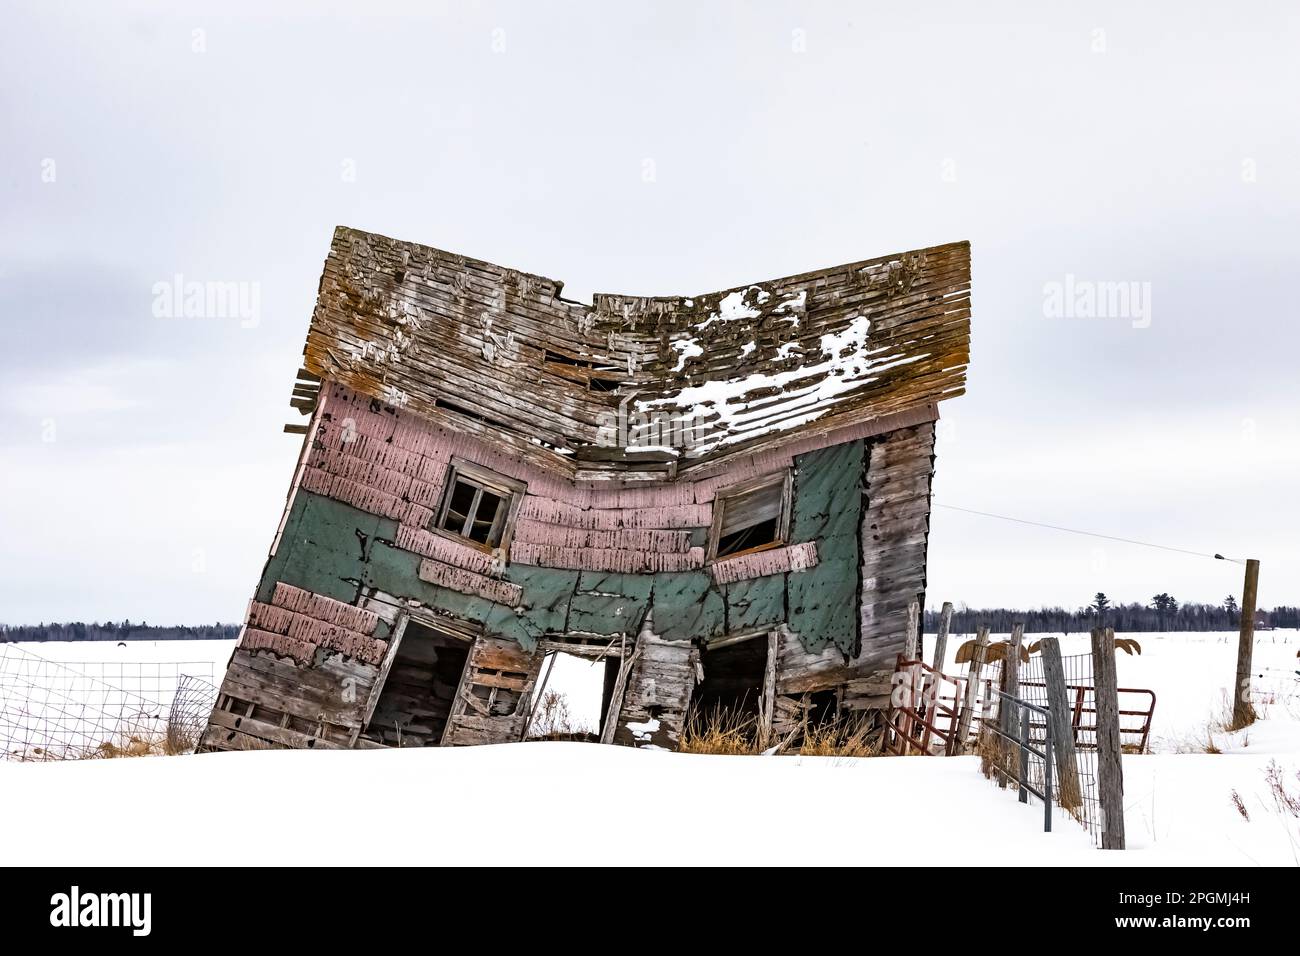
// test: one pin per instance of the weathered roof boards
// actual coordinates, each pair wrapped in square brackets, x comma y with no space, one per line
[492,473]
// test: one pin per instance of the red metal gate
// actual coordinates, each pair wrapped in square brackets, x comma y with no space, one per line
[924,708]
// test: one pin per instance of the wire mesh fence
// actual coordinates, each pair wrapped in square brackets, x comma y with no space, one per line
[1029,709]
[991,721]
[152,680]
[1077,788]
[188,716]
[55,710]
[1017,751]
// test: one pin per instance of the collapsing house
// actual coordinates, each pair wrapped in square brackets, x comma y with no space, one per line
[722,499]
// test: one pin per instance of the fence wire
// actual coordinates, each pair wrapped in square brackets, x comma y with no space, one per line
[985,733]
[152,680]
[53,710]
[188,717]
[1079,798]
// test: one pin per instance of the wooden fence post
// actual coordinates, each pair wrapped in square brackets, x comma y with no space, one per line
[941,636]
[977,659]
[1110,772]
[1010,714]
[912,643]
[1243,710]
[1058,705]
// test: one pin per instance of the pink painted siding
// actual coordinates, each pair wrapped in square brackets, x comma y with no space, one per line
[552,511]
[430,544]
[324,608]
[267,617]
[299,622]
[606,559]
[795,557]
[467,582]
[558,535]
[316,632]
[278,644]
[372,500]
[389,462]
[418,517]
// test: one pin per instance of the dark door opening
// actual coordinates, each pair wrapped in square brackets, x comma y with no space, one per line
[821,708]
[415,701]
[731,692]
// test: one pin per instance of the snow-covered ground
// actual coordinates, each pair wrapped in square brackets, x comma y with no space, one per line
[700,809]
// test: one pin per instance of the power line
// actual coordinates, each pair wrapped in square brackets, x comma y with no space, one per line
[1090,534]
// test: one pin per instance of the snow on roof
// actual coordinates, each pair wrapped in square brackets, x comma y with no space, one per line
[811,390]
[502,354]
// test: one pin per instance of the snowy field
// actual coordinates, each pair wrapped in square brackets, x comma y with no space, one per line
[1179,805]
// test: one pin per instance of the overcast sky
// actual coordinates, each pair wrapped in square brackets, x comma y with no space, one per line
[666,148]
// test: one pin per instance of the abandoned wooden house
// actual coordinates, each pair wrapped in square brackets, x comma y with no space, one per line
[722,500]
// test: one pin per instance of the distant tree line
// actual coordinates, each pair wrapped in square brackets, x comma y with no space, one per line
[1162,613]
[110,631]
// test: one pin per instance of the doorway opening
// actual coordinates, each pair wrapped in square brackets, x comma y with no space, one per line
[416,699]
[573,697]
[731,694]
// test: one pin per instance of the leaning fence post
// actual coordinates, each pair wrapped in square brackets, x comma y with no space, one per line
[1058,706]
[941,636]
[978,654]
[1110,773]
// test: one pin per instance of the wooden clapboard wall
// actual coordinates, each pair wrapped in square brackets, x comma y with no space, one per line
[499,353]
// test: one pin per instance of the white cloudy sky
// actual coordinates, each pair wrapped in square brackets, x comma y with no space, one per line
[143,464]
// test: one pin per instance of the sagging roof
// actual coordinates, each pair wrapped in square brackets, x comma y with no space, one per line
[633,385]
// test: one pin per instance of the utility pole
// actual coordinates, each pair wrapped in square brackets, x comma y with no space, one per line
[1243,711]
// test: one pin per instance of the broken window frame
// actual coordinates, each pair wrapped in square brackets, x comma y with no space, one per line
[510,490]
[721,502]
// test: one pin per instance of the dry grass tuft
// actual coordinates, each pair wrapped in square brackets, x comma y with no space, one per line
[727,732]
[1287,803]
[127,745]
[720,731]
[1250,717]
[1220,724]
[995,757]
[154,745]
[848,737]
[1240,805]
